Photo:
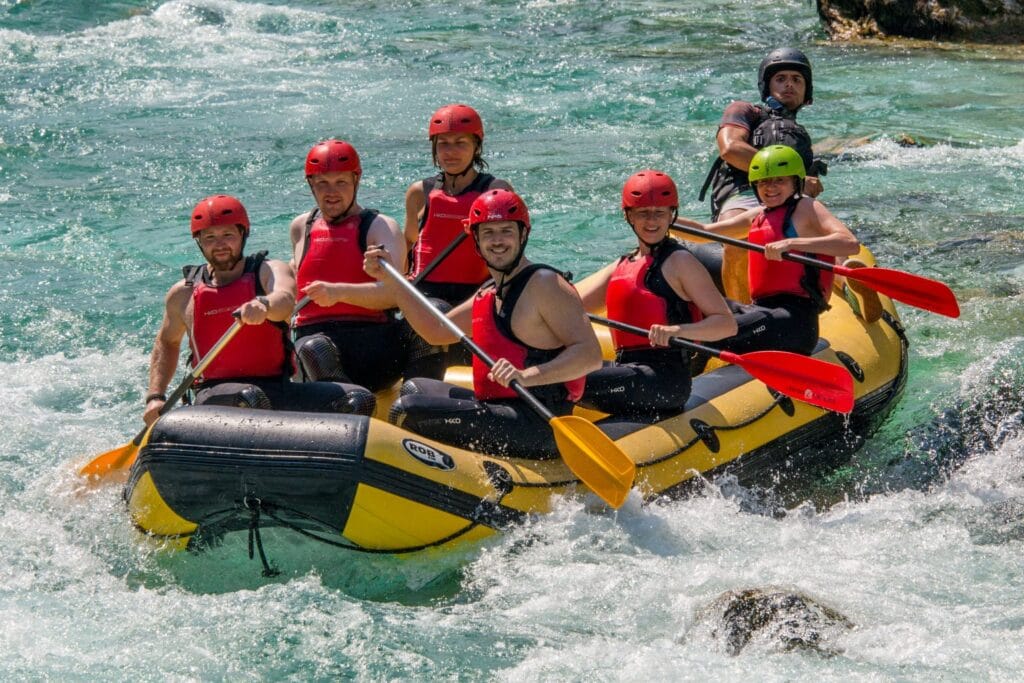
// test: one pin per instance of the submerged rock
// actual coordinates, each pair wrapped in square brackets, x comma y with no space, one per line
[777,619]
[985,21]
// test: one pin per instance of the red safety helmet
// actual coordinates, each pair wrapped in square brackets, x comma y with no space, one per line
[649,188]
[332,155]
[219,209]
[456,118]
[498,205]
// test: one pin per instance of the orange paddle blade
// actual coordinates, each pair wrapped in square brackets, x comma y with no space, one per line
[594,458]
[111,461]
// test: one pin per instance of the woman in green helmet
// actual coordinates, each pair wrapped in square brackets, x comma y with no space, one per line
[786,297]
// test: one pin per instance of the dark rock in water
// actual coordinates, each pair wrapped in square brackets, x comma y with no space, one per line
[780,619]
[985,21]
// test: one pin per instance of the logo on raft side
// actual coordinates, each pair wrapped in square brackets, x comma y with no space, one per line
[428,455]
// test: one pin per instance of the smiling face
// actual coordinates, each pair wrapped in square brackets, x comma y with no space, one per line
[774,192]
[335,192]
[789,88]
[454,152]
[221,245]
[499,243]
[650,223]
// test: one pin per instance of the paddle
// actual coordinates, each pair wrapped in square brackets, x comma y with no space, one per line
[452,246]
[810,380]
[123,456]
[916,290]
[587,451]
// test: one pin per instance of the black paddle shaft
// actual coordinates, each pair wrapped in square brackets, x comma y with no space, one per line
[743,244]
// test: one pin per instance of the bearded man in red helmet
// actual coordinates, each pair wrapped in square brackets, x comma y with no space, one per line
[528,317]
[436,207]
[254,369]
[349,331]
[661,287]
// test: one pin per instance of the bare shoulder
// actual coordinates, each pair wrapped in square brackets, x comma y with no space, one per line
[415,191]
[383,224]
[298,226]
[177,298]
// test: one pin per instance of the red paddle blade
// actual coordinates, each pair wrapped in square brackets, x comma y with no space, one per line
[810,380]
[915,290]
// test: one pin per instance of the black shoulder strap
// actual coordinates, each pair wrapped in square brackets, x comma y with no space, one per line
[513,290]
[366,219]
[811,281]
[193,274]
[310,219]
[253,263]
[710,176]
[480,183]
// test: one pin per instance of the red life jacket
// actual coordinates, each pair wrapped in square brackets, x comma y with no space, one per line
[257,350]
[333,252]
[771,278]
[639,294]
[441,223]
[492,331]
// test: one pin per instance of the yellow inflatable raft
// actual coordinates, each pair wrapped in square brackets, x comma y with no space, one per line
[364,484]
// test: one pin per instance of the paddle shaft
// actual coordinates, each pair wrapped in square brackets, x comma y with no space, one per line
[452,246]
[523,393]
[673,341]
[750,246]
[191,377]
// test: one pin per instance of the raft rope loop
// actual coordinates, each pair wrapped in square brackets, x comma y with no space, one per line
[254,505]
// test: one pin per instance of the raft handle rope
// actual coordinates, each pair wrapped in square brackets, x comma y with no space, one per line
[254,505]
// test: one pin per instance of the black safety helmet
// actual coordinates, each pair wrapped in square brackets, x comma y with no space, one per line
[781,59]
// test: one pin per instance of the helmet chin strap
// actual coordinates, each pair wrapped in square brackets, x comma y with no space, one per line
[506,271]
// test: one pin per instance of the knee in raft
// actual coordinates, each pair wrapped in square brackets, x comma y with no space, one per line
[319,358]
[356,401]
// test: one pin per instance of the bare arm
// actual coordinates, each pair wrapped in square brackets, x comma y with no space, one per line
[594,288]
[423,320]
[561,312]
[166,347]
[738,226]
[279,285]
[818,232]
[297,234]
[415,202]
[690,280]
[734,146]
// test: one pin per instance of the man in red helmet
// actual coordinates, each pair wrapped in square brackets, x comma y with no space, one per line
[784,80]
[659,286]
[436,207]
[253,370]
[348,331]
[528,318]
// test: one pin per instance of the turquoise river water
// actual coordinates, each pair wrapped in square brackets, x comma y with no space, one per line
[116,117]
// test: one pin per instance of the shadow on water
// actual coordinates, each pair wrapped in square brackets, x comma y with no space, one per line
[424,578]
[920,456]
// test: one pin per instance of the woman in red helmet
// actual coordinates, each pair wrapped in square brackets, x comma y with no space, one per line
[528,317]
[253,370]
[659,286]
[347,332]
[436,207]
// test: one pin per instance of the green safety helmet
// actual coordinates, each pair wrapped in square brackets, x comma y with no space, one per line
[776,161]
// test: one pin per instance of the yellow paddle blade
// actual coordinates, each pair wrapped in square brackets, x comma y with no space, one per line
[111,461]
[594,458]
